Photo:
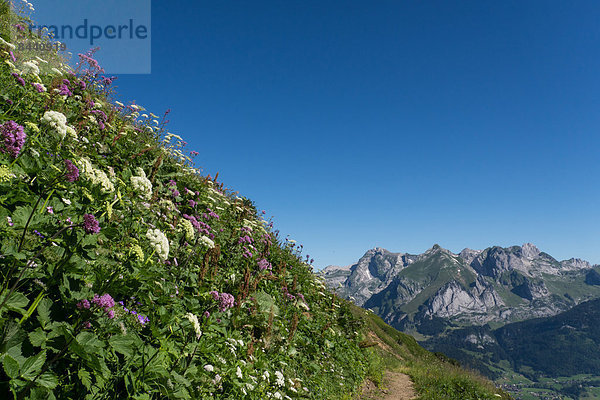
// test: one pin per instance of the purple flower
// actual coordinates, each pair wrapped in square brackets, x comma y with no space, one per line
[108,81]
[111,314]
[225,300]
[50,210]
[87,325]
[72,171]
[175,193]
[192,203]
[83,304]
[105,301]
[82,85]
[20,80]
[90,224]
[206,314]
[264,264]
[38,87]
[143,319]
[12,56]
[13,137]
[64,90]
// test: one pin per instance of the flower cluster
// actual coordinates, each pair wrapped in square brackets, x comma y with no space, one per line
[13,138]
[30,67]
[56,121]
[194,320]
[187,228]
[207,242]
[264,264]
[95,176]
[72,173]
[104,302]
[159,242]
[5,174]
[141,184]
[90,224]
[142,319]
[225,300]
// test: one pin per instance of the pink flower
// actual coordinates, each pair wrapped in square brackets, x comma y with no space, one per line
[13,138]
[90,224]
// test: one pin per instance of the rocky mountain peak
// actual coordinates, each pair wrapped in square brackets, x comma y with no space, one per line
[530,251]
[469,254]
[438,249]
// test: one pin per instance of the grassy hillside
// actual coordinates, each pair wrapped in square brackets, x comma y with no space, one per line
[434,375]
[126,273]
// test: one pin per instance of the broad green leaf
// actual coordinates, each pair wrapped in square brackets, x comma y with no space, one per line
[47,380]
[180,379]
[16,302]
[89,342]
[37,337]
[266,303]
[122,344]
[11,366]
[33,365]
[181,393]
[43,311]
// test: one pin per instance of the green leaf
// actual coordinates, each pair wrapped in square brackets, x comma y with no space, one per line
[11,366]
[89,341]
[85,377]
[37,337]
[122,344]
[16,302]
[266,302]
[47,380]
[33,365]
[180,379]
[43,311]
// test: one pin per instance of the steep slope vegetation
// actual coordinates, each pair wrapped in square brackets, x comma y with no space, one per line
[128,274]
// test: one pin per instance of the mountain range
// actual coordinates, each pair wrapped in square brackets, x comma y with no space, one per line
[513,311]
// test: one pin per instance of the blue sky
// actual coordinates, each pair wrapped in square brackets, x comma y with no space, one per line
[396,124]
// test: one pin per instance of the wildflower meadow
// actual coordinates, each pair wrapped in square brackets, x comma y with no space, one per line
[126,273]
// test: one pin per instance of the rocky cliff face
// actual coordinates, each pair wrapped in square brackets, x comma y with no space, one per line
[472,287]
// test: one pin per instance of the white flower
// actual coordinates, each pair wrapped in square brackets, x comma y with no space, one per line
[280,381]
[141,184]
[159,242]
[209,368]
[277,395]
[265,376]
[71,132]
[66,201]
[29,67]
[57,121]
[207,242]
[10,45]
[187,227]
[95,176]
[238,372]
[194,320]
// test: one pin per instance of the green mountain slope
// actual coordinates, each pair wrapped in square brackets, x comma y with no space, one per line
[565,347]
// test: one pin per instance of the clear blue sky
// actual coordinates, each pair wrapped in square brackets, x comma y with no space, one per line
[396,124]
